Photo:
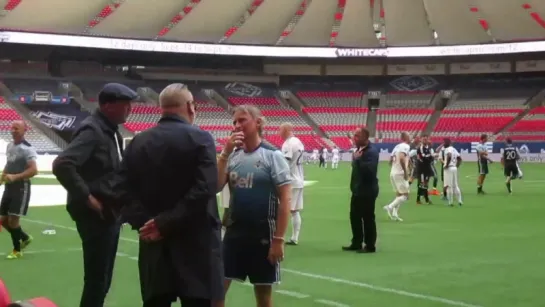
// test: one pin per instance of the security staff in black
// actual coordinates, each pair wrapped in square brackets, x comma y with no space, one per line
[413,160]
[364,188]
[424,154]
[20,167]
[85,169]
[509,160]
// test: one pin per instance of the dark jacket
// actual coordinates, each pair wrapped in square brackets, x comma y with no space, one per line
[169,173]
[85,166]
[364,181]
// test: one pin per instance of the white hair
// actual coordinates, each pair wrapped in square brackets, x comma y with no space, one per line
[174,95]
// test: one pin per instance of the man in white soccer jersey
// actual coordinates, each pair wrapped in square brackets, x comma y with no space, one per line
[399,176]
[336,157]
[314,157]
[293,150]
[450,166]
[482,162]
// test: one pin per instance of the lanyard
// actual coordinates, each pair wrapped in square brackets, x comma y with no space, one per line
[117,147]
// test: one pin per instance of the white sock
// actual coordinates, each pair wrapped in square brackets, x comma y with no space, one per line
[296,225]
[449,195]
[397,202]
[458,194]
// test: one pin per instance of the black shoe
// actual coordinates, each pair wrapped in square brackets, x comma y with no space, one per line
[367,250]
[351,248]
[291,242]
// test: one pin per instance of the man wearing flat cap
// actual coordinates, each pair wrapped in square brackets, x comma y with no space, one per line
[84,169]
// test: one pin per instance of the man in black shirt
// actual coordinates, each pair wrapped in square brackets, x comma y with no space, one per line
[509,160]
[364,188]
[424,154]
[84,169]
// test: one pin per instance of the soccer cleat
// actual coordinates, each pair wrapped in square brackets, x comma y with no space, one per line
[292,242]
[26,243]
[460,204]
[14,255]
[397,218]
[389,211]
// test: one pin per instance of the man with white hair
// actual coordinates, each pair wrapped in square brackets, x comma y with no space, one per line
[293,150]
[167,184]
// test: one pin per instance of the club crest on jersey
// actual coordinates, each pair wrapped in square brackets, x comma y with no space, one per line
[258,164]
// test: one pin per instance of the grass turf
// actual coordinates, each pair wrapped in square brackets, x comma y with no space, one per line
[487,253]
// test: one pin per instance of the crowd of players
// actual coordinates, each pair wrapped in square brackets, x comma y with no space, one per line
[417,159]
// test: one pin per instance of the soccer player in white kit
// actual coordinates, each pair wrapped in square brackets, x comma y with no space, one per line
[451,164]
[336,157]
[314,157]
[399,176]
[293,150]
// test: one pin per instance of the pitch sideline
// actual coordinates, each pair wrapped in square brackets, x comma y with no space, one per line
[318,277]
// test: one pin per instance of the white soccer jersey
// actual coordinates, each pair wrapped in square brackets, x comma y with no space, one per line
[315,152]
[293,150]
[324,153]
[454,157]
[335,153]
[400,150]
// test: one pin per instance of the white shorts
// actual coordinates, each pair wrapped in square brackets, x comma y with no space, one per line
[450,177]
[225,196]
[296,199]
[399,184]
[335,160]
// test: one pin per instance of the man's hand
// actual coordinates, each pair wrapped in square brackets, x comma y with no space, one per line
[149,232]
[8,178]
[276,251]
[358,154]
[95,205]
[235,140]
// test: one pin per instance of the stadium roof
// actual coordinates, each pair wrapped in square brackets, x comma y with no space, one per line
[343,23]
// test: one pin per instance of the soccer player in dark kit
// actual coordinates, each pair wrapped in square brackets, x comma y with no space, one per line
[424,154]
[20,167]
[509,161]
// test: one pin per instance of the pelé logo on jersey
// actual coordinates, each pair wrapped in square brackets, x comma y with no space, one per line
[246,182]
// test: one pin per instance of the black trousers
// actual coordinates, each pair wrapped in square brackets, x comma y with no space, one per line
[99,243]
[362,220]
[167,300]
[322,162]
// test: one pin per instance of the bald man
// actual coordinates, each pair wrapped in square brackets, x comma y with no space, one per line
[293,150]
[20,167]
[168,181]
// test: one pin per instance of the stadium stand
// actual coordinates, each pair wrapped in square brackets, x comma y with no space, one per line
[33,136]
[478,112]
[529,128]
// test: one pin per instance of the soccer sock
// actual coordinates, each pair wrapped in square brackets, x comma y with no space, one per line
[449,195]
[458,194]
[16,238]
[508,184]
[445,192]
[397,202]
[479,188]
[24,235]
[435,180]
[425,193]
[296,225]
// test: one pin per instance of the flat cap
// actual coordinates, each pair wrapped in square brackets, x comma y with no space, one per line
[113,92]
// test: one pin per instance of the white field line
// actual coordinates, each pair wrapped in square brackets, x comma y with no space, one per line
[330,303]
[48,251]
[323,277]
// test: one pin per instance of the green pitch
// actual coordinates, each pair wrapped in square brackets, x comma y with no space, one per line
[488,253]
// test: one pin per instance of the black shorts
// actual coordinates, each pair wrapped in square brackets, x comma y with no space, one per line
[246,257]
[425,171]
[511,170]
[483,167]
[15,199]
[442,173]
